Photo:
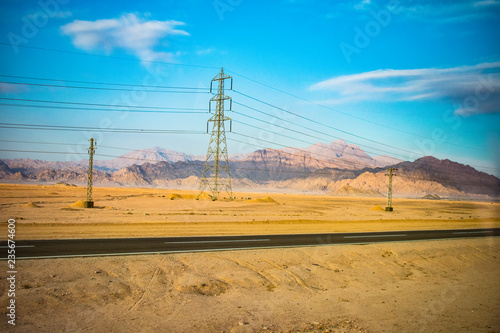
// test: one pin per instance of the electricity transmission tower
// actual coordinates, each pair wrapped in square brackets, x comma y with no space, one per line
[90,203]
[216,175]
[389,192]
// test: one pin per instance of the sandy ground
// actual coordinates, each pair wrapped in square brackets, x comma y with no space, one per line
[425,286]
[125,212]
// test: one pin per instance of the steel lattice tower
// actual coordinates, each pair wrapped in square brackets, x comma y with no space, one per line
[216,175]
[90,203]
[389,192]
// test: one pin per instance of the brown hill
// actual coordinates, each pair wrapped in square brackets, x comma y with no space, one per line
[264,200]
[349,191]
[431,197]
[30,205]
[272,169]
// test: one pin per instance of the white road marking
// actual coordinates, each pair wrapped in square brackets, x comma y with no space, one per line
[370,236]
[473,232]
[217,250]
[220,241]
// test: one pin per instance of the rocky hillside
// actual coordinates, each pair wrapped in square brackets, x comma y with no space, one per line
[343,170]
[139,157]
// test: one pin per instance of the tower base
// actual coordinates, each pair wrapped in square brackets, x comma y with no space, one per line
[88,204]
[388,209]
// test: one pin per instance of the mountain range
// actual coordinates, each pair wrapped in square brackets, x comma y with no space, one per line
[335,154]
[336,168]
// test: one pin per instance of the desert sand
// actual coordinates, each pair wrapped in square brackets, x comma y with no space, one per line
[431,286]
[53,212]
[421,286]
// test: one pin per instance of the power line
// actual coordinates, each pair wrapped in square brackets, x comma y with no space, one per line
[312,173]
[89,104]
[232,167]
[174,111]
[25,126]
[311,153]
[80,145]
[367,165]
[80,128]
[316,103]
[348,114]
[102,83]
[302,156]
[42,143]
[480,167]
[315,153]
[306,127]
[240,75]
[310,129]
[77,144]
[247,143]
[299,132]
[319,123]
[102,88]
[128,149]
[352,162]
[171,153]
[41,152]
[144,159]
[346,162]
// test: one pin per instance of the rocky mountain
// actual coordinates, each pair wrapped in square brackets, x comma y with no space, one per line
[9,174]
[28,165]
[349,191]
[348,155]
[142,156]
[342,170]
[384,160]
[337,154]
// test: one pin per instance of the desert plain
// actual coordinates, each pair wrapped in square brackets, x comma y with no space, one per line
[420,286]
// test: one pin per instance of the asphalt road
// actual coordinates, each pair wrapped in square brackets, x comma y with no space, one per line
[30,249]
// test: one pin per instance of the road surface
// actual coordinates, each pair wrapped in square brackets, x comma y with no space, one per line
[30,249]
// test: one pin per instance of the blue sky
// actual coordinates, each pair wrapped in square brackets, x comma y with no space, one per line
[400,78]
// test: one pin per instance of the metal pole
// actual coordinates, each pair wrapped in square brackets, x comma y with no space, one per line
[389,207]
[216,174]
[90,203]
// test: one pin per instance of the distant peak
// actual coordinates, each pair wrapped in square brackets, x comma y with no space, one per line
[427,159]
[340,142]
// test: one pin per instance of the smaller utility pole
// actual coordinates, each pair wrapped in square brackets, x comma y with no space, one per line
[389,192]
[90,203]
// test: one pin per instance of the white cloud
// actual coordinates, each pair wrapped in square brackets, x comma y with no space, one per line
[474,89]
[129,32]
[450,10]
[486,3]
[431,10]
[363,5]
